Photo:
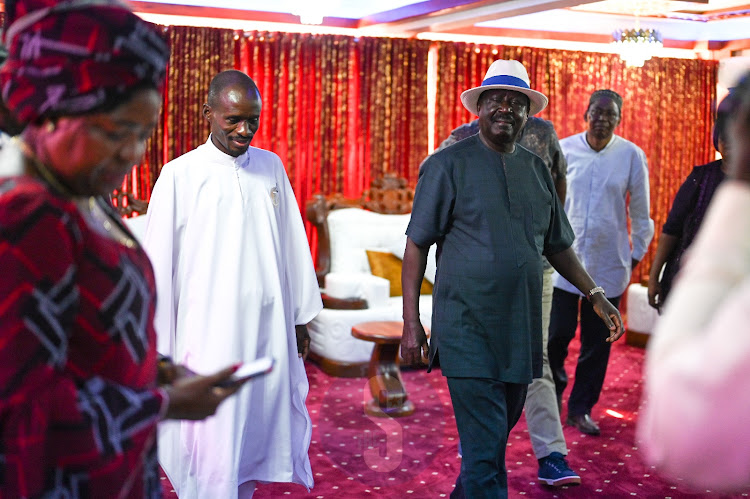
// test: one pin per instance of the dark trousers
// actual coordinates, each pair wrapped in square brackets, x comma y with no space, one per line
[486,410]
[592,361]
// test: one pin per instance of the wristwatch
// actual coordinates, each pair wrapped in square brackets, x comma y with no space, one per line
[594,291]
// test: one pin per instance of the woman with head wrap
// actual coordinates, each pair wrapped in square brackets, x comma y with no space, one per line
[79,400]
[687,212]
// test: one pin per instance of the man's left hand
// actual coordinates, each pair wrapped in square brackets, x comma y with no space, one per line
[609,314]
[303,341]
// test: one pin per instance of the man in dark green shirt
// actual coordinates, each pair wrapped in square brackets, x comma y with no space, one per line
[490,206]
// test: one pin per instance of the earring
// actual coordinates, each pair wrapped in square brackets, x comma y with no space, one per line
[51,126]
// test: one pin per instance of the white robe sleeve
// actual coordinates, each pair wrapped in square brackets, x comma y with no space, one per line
[301,272]
[694,423]
[162,247]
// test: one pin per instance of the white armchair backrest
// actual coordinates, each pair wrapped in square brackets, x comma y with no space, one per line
[354,230]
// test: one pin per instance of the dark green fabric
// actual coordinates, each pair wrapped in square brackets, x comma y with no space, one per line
[493,216]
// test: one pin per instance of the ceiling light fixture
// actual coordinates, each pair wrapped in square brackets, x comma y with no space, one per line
[311,16]
[637,45]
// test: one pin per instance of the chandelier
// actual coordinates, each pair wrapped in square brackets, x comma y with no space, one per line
[636,46]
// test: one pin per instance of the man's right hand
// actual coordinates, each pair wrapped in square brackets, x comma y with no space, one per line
[414,350]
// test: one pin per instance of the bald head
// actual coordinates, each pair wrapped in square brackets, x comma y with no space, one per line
[230,79]
[233,111]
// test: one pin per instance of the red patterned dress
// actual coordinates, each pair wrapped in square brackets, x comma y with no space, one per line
[78,397]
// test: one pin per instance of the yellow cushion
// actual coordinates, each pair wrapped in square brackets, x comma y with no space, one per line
[388,266]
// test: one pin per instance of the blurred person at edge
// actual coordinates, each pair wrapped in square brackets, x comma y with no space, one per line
[79,396]
[8,124]
[688,209]
[693,426]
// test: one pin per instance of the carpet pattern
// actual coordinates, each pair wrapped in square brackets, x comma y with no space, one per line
[354,455]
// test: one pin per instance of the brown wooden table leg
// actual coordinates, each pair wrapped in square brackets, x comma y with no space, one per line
[387,388]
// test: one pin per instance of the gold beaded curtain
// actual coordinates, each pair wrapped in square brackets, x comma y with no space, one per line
[667,111]
[197,55]
[339,110]
[305,84]
[392,107]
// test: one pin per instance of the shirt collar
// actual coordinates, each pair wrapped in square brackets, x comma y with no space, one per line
[218,156]
[588,146]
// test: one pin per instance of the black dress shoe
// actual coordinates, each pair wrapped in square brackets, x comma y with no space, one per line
[584,423]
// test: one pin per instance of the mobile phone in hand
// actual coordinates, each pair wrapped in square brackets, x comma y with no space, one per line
[258,367]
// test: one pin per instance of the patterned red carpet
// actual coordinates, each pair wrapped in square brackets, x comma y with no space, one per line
[354,455]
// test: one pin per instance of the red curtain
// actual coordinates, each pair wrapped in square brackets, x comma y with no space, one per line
[667,107]
[340,111]
[197,55]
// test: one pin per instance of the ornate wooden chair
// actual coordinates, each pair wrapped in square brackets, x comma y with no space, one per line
[353,235]
[132,211]
[127,204]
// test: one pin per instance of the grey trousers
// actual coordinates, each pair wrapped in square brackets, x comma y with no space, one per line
[542,415]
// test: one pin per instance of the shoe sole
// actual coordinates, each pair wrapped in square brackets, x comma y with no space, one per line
[568,480]
[572,423]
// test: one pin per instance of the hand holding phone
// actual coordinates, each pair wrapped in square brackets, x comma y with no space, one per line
[258,367]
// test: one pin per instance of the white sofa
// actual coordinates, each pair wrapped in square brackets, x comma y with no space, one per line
[352,294]
[641,317]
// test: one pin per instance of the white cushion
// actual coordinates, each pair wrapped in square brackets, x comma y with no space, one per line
[354,230]
[331,331]
[374,289]
[642,317]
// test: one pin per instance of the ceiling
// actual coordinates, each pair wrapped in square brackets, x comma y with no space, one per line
[689,28]
[687,25]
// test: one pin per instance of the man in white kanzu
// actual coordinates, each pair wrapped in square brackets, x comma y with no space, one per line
[235,282]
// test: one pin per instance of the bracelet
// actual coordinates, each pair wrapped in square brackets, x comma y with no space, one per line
[164,360]
[594,291]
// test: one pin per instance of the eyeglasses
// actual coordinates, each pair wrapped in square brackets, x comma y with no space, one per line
[608,114]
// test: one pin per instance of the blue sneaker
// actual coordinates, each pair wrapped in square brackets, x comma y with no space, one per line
[554,470]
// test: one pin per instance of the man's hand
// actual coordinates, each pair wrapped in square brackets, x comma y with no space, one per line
[303,341]
[609,314]
[654,293]
[414,349]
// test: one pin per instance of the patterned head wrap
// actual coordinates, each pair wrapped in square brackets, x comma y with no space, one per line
[77,56]
[610,94]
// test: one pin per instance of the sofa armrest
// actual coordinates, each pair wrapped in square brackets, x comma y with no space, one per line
[359,285]
[343,303]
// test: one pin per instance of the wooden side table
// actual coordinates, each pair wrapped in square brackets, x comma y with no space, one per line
[388,391]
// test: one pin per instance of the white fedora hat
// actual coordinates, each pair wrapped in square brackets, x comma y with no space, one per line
[509,75]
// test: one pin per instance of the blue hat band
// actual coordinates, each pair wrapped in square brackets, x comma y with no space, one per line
[505,80]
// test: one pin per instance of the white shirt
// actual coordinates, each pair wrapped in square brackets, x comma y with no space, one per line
[234,276]
[596,206]
[695,422]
